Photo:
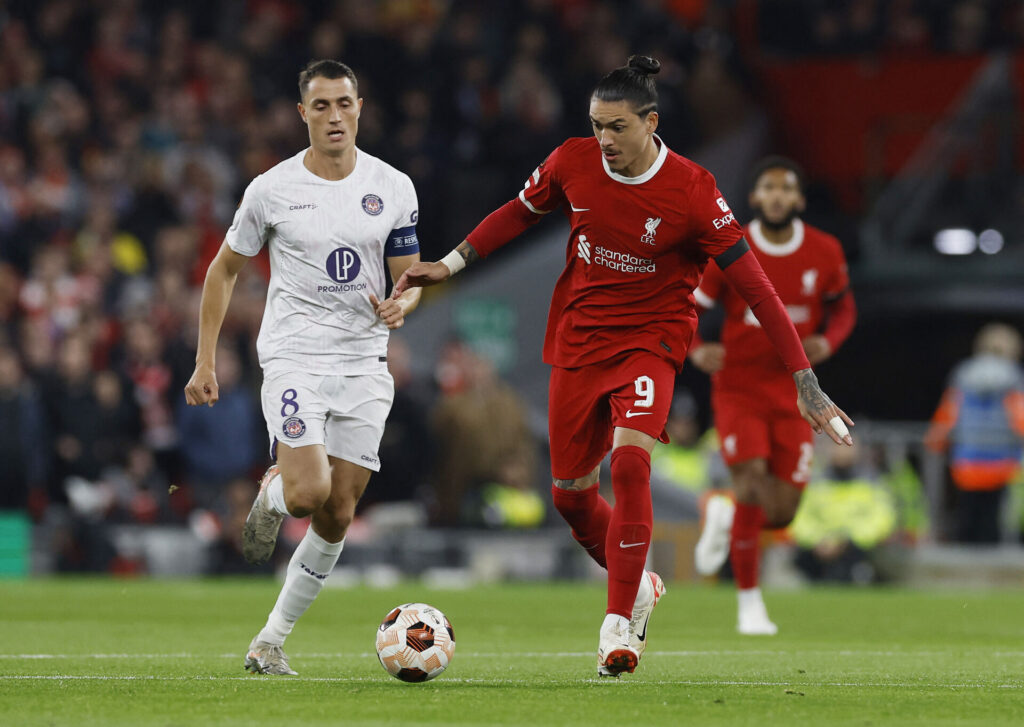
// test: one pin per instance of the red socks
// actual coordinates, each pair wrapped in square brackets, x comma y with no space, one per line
[629,532]
[745,545]
[587,514]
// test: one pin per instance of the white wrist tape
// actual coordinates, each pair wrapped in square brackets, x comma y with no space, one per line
[838,426]
[454,262]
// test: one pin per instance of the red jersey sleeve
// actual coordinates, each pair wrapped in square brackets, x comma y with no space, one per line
[841,310]
[713,224]
[542,192]
[709,291]
[839,275]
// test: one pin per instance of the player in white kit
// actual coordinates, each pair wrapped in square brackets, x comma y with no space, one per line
[331,217]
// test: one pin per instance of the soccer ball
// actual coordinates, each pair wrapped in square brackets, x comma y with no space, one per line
[415,642]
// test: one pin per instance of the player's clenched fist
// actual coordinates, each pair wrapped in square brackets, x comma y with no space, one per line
[390,311]
[202,387]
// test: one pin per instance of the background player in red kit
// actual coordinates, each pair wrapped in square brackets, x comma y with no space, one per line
[765,442]
[645,221]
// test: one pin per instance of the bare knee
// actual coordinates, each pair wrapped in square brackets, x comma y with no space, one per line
[337,515]
[750,479]
[781,505]
[305,497]
[580,483]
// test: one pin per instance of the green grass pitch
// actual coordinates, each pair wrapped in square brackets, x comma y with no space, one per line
[149,652]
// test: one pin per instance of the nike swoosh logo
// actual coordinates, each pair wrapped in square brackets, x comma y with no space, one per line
[631,545]
[579,209]
[643,634]
[631,414]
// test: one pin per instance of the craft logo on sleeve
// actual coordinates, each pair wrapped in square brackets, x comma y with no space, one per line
[373,205]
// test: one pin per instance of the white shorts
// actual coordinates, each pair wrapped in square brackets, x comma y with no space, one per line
[344,413]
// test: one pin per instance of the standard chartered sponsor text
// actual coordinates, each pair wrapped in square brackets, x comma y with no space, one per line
[623,261]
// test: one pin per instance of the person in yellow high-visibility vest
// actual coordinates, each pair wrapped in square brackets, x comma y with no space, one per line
[841,519]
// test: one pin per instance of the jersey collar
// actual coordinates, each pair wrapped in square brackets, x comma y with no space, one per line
[769,248]
[662,155]
[353,175]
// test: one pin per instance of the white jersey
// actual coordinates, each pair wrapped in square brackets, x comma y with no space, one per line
[327,242]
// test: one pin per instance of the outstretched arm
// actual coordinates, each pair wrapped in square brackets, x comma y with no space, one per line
[424,274]
[747,277]
[841,312]
[217,288]
[504,224]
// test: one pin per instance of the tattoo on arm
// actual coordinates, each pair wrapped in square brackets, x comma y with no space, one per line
[811,394]
[467,252]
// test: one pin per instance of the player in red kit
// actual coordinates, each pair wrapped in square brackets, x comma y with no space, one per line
[645,221]
[765,442]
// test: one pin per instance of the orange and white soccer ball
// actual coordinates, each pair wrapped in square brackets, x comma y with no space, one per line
[415,642]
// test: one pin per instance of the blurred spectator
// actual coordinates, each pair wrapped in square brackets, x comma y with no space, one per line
[690,460]
[24,436]
[223,442]
[842,518]
[407,446]
[981,420]
[481,427]
[74,412]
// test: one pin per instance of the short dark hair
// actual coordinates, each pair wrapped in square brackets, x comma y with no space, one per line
[777,161]
[327,69]
[633,82]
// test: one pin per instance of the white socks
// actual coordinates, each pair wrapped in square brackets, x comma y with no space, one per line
[646,591]
[312,562]
[275,496]
[749,598]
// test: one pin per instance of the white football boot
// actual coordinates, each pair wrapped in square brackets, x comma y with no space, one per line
[713,546]
[752,617]
[614,653]
[264,658]
[652,588]
[259,536]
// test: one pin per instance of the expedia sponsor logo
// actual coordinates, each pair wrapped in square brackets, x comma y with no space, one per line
[310,206]
[723,221]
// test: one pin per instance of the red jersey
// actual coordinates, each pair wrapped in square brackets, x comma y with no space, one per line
[807,272]
[636,251]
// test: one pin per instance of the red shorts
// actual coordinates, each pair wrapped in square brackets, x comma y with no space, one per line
[585,404]
[751,427]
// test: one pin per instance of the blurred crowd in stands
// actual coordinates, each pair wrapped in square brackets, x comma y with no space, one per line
[129,129]
[847,27]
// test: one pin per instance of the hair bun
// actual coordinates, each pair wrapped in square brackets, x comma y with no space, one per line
[644,64]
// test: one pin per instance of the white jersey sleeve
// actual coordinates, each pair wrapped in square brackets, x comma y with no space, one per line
[250,227]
